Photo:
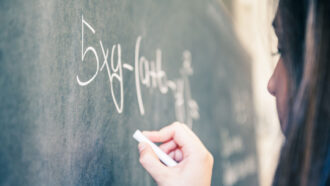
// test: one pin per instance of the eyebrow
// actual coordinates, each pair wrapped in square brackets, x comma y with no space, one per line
[275,26]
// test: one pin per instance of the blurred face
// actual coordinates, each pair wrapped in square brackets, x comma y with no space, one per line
[278,84]
[278,87]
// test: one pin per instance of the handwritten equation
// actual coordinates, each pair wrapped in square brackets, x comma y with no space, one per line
[147,73]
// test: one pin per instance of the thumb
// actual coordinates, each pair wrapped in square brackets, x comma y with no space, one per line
[151,163]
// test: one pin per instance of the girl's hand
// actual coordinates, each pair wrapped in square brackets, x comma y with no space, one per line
[195,162]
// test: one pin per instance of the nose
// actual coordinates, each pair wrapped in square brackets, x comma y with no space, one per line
[271,85]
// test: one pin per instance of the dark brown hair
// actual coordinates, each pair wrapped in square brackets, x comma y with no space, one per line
[305,36]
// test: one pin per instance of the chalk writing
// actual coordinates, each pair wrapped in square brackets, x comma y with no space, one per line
[239,169]
[147,73]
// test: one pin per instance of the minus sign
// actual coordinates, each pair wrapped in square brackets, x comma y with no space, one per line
[171,85]
[128,67]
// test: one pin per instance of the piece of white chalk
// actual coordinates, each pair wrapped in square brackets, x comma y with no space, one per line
[161,154]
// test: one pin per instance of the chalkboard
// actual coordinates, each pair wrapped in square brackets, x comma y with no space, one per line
[77,78]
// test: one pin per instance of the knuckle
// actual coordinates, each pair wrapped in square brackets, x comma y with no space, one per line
[179,125]
[211,158]
[207,156]
[176,124]
[143,159]
[185,126]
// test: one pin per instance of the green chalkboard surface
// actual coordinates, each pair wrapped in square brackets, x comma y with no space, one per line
[77,78]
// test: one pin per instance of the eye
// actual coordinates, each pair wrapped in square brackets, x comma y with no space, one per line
[278,52]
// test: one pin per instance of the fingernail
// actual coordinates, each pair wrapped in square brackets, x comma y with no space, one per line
[141,146]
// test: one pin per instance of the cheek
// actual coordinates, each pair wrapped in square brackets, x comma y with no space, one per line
[282,92]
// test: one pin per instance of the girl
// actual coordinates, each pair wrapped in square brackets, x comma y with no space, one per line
[301,85]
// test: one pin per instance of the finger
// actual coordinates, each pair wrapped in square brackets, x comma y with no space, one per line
[176,131]
[151,163]
[168,146]
[178,155]
[171,154]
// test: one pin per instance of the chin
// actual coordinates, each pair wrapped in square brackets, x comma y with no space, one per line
[283,125]
[282,118]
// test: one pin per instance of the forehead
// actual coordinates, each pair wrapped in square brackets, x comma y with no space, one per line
[277,23]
